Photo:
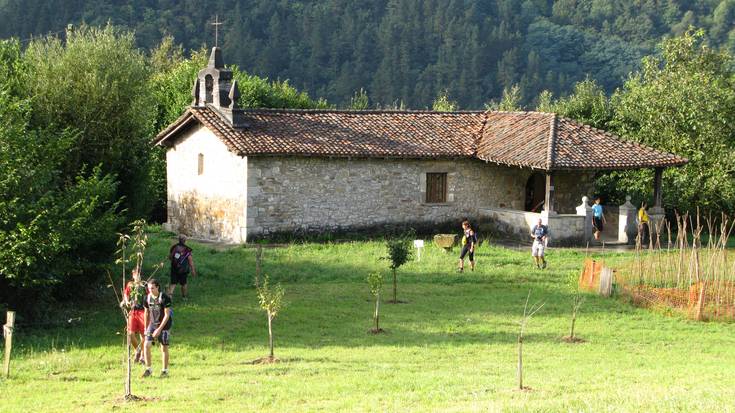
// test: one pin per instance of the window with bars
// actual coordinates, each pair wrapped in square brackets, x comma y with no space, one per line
[200,164]
[436,188]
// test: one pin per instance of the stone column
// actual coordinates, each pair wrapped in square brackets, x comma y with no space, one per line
[585,210]
[627,226]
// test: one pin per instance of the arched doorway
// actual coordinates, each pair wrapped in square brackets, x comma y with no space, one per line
[535,192]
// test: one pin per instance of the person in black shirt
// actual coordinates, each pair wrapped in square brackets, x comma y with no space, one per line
[469,240]
[158,323]
[181,264]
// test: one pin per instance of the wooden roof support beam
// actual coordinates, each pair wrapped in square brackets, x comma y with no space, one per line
[657,182]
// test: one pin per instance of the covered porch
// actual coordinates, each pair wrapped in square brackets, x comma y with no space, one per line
[563,155]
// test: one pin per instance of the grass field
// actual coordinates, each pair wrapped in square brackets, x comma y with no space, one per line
[451,348]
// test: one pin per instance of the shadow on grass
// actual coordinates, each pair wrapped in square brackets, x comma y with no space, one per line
[328,302]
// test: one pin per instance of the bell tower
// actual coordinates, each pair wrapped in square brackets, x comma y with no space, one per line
[215,88]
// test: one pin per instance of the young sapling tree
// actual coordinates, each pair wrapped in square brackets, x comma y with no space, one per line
[375,280]
[139,244]
[527,314]
[577,301]
[399,252]
[271,301]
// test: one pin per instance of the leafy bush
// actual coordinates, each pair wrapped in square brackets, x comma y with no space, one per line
[56,229]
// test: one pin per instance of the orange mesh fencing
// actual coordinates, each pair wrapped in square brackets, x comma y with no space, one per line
[589,279]
[705,300]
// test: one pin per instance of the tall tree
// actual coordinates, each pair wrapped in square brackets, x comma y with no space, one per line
[684,102]
[96,83]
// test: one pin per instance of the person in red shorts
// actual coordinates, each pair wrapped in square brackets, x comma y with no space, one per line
[133,298]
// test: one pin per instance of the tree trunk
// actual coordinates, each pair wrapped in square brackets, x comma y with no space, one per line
[270,333]
[520,362]
[395,287]
[377,314]
[128,389]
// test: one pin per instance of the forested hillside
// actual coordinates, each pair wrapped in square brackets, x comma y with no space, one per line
[405,51]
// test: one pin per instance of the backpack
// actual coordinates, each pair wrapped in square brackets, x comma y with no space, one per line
[180,259]
[466,239]
[151,301]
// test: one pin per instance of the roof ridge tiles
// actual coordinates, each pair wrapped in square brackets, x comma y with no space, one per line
[552,143]
[522,112]
[538,140]
[367,111]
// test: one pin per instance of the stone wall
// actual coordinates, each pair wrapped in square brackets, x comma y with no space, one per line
[210,205]
[569,188]
[235,198]
[321,194]
[510,223]
[564,229]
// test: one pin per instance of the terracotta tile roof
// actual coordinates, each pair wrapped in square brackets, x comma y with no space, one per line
[578,145]
[345,133]
[526,139]
[516,138]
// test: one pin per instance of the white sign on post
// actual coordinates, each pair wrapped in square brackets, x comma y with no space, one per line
[419,245]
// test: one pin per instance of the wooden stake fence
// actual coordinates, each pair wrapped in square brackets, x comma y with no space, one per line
[8,333]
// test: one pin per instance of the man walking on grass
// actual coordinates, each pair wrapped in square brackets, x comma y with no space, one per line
[539,233]
[181,264]
[158,321]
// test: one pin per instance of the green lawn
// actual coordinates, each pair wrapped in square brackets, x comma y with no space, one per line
[451,348]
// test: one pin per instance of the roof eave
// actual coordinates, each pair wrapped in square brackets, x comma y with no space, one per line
[620,167]
[172,130]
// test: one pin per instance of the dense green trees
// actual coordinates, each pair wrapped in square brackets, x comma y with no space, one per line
[77,115]
[682,101]
[56,225]
[95,82]
[406,51]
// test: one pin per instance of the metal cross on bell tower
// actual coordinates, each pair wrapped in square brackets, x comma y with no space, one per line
[216,25]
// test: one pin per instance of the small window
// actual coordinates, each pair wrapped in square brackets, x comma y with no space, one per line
[200,164]
[436,188]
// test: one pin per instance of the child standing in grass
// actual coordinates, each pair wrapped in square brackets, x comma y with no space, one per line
[469,240]
[133,298]
[158,321]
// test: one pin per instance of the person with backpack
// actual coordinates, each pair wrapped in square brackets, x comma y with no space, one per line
[182,263]
[469,241]
[158,321]
[539,234]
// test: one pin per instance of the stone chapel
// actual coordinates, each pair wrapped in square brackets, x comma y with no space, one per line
[236,174]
